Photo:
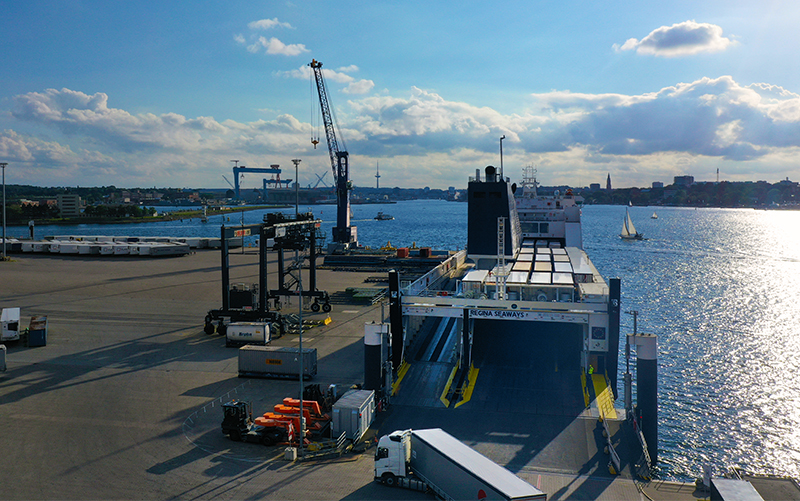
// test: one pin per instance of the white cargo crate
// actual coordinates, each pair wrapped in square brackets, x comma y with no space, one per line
[353,414]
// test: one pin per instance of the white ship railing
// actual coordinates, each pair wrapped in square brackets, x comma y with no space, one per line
[432,278]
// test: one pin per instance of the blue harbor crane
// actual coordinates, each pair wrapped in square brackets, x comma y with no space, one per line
[240,170]
[343,233]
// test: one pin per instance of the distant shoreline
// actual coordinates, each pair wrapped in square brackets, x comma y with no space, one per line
[170,216]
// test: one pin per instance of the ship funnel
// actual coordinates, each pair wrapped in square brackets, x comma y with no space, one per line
[491,174]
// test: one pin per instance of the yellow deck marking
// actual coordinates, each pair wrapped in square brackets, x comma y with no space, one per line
[605,400]
[443,396]
[401,372]
[471,378]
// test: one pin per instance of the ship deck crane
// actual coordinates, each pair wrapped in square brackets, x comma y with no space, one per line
[343,233]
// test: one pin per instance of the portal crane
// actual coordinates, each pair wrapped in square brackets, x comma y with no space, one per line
[343,233]
[240,170]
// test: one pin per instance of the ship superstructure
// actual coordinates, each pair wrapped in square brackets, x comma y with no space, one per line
[523,262]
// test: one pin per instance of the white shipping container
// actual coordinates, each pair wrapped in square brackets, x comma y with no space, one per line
[274,361]
[239,333]
[10,324]
[353,414]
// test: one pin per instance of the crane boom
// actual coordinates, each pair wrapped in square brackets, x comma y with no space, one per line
[327,117]
[343,233]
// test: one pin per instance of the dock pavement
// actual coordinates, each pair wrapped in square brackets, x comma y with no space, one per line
[123,401]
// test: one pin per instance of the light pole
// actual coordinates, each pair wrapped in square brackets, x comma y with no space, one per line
[299,260]
[3,166]
[501,156]
[296,162]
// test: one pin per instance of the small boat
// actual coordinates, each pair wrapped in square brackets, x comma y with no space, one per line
[654,216]
[384,217]
[628,230]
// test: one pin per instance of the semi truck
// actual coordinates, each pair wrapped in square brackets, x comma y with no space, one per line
[433,459]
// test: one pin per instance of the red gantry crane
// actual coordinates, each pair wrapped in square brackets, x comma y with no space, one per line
[343,233]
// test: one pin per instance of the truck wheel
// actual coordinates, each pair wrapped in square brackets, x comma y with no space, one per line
[236,435]
[315,307]
[268,439]
[389,480]
[208,328]
[222,329]
[326,307]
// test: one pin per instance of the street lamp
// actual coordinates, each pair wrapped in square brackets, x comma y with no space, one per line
[296,162]
[3,166]
[501,156]
[299,260]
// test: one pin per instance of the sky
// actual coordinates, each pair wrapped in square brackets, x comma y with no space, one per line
[167,94]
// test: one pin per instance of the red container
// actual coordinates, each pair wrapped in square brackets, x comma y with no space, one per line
[402,252]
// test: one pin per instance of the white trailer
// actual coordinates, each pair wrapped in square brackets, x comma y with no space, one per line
[438,461]
[10,324]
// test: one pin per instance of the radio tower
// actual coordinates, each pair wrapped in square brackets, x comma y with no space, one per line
[377,176]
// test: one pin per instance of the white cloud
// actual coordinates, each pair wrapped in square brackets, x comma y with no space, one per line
[304,73]
[681,39]
[708,122]
[266,24]
[276,47]
[47,160]
[272,45]
[359,87]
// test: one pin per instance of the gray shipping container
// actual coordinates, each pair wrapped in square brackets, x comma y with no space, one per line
[274,361]
[353,414]
[461,472]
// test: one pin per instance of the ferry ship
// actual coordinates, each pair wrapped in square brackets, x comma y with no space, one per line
[512,343]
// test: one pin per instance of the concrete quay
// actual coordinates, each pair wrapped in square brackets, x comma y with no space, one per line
[123,402]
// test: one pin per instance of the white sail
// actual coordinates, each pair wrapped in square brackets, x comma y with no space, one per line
[628,229]
[629,224]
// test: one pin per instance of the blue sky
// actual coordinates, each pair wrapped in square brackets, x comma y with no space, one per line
[145,93]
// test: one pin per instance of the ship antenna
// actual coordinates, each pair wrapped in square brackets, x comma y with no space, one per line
[529,178]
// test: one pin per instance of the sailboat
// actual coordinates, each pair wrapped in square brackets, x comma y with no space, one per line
[628,230]
[654,216]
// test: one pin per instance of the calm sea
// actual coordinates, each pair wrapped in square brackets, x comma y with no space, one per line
[719,288]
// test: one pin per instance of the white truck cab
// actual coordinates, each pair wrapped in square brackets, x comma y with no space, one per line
[392,457]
